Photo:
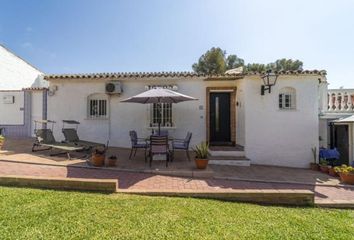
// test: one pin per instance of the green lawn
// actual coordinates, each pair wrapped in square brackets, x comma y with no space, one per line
[45,214]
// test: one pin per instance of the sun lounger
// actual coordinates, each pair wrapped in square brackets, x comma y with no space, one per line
[71,136]
[45,138]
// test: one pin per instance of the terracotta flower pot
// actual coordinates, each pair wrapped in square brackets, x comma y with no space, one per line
[97,160]
[314,166]
[347,178]
[112,162]
[332,173]
[201,163]
[324,169]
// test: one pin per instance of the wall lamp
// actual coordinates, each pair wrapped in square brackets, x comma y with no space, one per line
[269,80]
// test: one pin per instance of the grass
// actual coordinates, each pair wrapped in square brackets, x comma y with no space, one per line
[46,214]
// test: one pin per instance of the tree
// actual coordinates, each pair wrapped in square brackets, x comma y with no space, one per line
[255,67]
[232,61]
[287,64]
[214,61]
[279,65]
[211,62]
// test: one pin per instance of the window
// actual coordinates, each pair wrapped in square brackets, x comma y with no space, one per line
[287,98]
[97,106]
[161,112]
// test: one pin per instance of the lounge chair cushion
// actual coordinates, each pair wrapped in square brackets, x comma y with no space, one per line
[88,144]
[70,135]
[179,145]
[45,136]
[63,146]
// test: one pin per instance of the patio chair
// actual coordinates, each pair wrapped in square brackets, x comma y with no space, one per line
[159,146]
[182,144]
[45,138]
[72,137]
[137,143]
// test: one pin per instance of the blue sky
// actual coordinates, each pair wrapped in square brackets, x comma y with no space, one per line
[65,36]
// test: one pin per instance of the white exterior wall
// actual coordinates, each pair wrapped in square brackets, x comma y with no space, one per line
[324,133]
[278,137]
[70,102]
[36,108]
[12,114]
[270,136]
[16,74]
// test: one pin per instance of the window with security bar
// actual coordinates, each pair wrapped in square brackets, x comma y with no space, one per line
[287,99]
[161,113]
[97,107]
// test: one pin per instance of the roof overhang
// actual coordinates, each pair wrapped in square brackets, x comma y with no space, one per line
[174,75]
[349,119]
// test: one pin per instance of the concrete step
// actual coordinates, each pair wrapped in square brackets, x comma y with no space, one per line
[227,153]
[230,161]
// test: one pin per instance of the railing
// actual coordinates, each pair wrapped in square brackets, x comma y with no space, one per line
[340,100]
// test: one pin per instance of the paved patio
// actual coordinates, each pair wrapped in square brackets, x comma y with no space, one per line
[151,182]
[16,158]
[19,150]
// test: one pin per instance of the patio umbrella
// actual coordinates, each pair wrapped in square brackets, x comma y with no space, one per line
[159,95]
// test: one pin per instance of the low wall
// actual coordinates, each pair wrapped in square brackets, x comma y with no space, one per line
[99,185]
[273,197]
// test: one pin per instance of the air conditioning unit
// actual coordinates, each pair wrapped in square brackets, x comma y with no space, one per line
[114,87]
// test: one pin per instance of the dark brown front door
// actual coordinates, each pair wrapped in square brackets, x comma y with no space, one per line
[220,133]
[341,142]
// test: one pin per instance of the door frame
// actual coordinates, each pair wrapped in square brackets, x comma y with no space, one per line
[232,91]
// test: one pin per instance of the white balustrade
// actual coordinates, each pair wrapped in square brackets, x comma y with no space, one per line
[340,100]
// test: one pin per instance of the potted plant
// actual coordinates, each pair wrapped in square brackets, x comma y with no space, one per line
[112,161]
[332,172]
[314,166]
[98,156]
[346,173]
[324,165]
[2,140]
[201,155]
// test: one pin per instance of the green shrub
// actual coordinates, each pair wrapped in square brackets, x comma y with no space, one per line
[323,162]
[201,150]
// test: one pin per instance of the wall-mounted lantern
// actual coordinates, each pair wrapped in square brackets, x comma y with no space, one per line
[269,80]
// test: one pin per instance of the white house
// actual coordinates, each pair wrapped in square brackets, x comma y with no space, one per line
[22,94]
[337,123]
[277,128]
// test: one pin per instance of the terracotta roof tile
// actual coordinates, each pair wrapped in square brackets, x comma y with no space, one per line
[34,88]
[173,74]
